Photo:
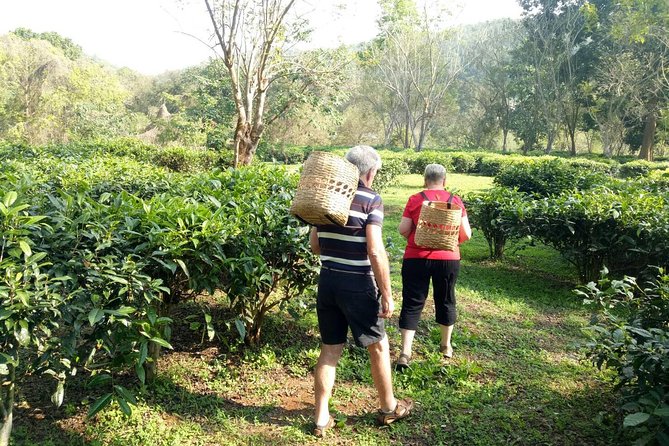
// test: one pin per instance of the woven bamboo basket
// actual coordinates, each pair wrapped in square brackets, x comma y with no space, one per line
[438,225]
[326,189]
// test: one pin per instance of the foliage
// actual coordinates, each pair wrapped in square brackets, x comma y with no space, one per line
[418,161]
[389,173]
[629,334]
[547,177]
[31,305]
[463,162]
[624,230]
[636,168]
[498,214]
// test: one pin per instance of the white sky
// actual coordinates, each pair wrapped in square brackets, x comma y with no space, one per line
[152,36]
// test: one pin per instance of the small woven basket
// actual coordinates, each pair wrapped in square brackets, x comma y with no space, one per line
[438,225]
[326,189]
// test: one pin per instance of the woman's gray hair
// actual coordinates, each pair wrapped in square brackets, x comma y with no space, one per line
[365,158]
[434,173]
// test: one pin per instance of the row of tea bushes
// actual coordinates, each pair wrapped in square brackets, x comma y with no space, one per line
[625,230]
[96,251]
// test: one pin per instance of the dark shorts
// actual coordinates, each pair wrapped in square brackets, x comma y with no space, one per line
[416,277]
[349,300]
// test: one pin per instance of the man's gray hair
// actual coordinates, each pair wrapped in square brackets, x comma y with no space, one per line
[434,173]
[365,158]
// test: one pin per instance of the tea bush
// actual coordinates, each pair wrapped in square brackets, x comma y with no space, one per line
[548,177]
[629,334]
[498,213]
[126,241]
[624,230]
[418,161]
[391,169]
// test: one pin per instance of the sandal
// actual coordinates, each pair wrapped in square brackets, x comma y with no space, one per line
[402,410]
[402,362]
[321,431]
[446,351]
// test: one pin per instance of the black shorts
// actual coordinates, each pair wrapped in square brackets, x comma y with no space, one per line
[416,277]
[349,300]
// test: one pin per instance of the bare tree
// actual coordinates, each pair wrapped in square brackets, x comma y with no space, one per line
[555,37]
[251,35]
[418,67]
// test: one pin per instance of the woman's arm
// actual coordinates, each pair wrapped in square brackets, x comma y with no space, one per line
[406,225]
[465,230]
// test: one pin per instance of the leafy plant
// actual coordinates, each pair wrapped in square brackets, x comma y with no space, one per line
[498,214]
[30,312]
[629,333]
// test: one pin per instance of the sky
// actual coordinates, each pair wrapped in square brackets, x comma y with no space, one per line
[153,36]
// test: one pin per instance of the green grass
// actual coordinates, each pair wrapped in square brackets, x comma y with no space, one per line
[517,376]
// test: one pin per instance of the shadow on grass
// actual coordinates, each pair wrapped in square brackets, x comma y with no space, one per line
[515,399]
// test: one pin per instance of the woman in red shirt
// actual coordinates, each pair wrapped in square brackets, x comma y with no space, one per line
[421,264]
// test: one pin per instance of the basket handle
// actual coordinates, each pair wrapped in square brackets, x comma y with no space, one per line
[448,203]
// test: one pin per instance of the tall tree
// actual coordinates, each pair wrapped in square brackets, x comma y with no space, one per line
[251,36]
[487,81]
[417,66]
[555,37]
[641,28]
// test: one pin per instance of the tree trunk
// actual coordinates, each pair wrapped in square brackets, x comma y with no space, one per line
[505,134]
[246,143]
[572,139]
[7,408]
[151,367]
[549,141]
[646,151]
[253,331]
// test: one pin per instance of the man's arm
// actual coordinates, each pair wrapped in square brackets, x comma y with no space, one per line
[379,260]
[313,241]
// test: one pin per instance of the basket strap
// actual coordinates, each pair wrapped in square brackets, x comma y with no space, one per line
[448,203]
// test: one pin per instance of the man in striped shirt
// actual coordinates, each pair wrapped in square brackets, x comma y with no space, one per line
[354,291]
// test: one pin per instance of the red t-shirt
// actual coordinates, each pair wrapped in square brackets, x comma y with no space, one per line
[412,211]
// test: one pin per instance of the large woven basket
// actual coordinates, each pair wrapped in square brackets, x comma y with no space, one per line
[326,189]
[438,225]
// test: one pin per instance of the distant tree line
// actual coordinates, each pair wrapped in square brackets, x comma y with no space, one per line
[570,75]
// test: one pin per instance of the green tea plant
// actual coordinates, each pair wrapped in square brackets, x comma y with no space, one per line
[30,312]
[625,230]
[268,261]
[498,213]
[390,170]
[629,333]
[548,177]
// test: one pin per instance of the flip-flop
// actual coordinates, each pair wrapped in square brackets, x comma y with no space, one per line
[402,362]
[446,351]
[321,431]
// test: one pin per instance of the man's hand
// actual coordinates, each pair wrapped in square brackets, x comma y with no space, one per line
[387,307]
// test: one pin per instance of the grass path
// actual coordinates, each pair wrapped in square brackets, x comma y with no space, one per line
[517,376]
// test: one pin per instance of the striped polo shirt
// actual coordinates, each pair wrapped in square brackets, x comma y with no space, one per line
[345,248]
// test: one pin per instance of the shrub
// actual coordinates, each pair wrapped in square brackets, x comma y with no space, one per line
[463,162]
[30,308]
[180,159]
[391,169]
[547,177]
[282,154]
[637,168]
[418,161]
[625,230]
[629,333]
[492,164]
[498,214]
